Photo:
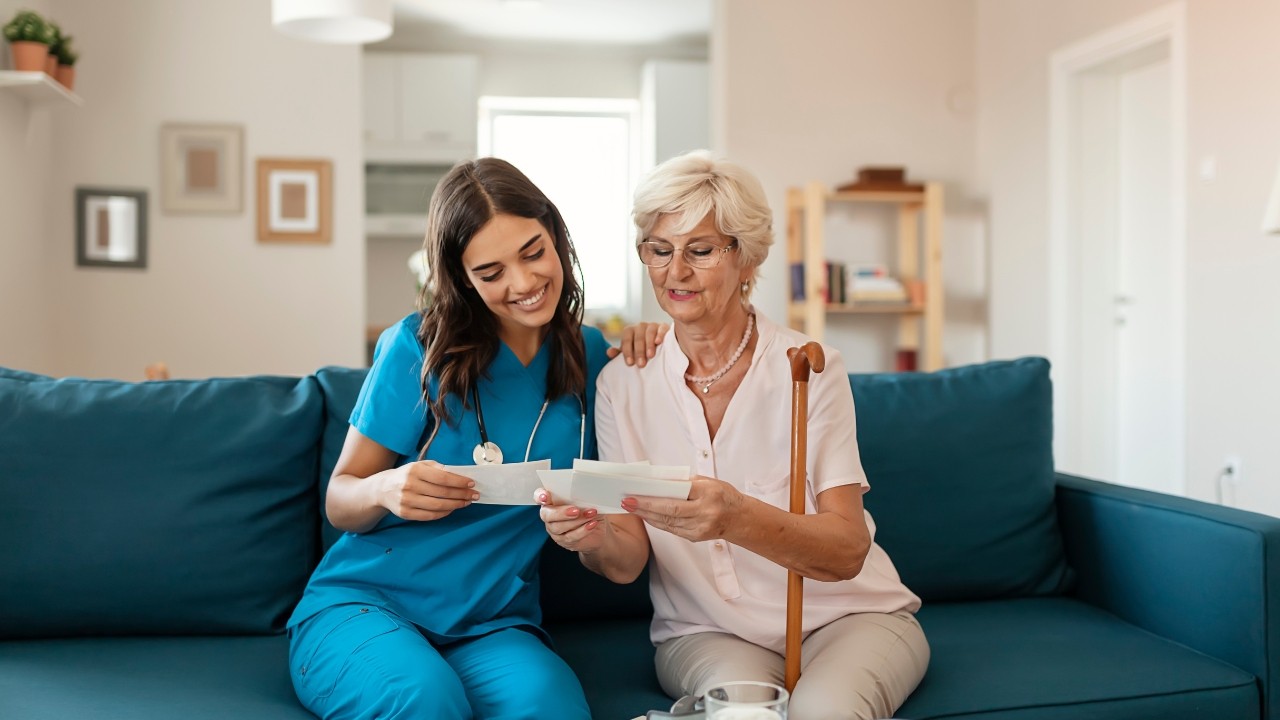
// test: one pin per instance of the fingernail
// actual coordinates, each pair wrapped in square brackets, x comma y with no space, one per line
[572,512]
[591,525]
[589,512]
[471,483]
[475,496]
[541,498]
[628,504]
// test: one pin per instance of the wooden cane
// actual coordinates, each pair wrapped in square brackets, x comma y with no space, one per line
[804,358]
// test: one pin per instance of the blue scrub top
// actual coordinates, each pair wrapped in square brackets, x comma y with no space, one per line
[475,570]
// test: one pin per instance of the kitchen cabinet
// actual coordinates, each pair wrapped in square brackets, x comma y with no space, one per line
[420,107]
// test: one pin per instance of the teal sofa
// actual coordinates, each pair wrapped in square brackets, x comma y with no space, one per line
[157,535]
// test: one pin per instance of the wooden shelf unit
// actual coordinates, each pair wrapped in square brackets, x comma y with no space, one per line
[919,258]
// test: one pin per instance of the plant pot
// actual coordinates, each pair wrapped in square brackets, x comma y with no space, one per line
[66,76]
[29,56]
[51,65]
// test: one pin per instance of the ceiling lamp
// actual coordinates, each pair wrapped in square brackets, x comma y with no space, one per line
[333,21]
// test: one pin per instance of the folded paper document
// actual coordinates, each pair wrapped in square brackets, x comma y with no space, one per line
[603,485]
[509,484]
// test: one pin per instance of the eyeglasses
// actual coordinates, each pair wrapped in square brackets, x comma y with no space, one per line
[701,255]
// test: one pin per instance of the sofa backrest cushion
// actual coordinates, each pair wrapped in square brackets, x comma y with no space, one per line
[172,507]
[21,374]
[341,386]
[961,470]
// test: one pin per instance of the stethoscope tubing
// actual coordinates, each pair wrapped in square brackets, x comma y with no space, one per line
[488,453]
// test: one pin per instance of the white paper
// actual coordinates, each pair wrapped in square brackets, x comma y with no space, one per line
[507,484]
[605,492]
[636,469]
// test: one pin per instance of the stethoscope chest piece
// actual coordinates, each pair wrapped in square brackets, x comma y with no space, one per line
[487,453]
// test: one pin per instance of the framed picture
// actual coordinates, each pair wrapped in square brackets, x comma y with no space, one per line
[111,227]
[202,168]
[294,200]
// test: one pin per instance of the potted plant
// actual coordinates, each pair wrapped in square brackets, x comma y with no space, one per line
[29,36]
[66,63]
[55,42]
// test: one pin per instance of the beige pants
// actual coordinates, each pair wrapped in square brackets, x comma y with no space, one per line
[861,666]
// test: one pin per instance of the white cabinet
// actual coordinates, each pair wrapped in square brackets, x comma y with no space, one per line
[420,107]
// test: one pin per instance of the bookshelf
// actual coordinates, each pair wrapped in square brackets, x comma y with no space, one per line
[918,265]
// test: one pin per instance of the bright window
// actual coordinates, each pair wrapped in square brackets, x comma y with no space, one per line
[583,154]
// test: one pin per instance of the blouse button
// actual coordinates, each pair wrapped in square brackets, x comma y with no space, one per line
[719,545]
[705,453]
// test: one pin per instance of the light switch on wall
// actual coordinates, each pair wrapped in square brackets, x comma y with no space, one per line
[1209,168]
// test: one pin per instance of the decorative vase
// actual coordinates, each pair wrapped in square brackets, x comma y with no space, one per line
[66,76]
[51,65]
[29,56]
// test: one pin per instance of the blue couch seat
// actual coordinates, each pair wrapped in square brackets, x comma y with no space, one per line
[148,678]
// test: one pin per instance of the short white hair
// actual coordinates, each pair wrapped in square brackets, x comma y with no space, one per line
[691,185]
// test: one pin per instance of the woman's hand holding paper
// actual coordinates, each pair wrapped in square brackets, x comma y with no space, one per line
[571,527]
[706,515]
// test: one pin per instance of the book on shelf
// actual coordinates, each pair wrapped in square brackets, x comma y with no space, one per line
[797,282]
[845,284]
[871,285]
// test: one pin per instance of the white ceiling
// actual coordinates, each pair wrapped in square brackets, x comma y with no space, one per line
[619,22]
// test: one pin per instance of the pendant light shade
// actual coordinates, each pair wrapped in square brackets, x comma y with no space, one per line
[333,21]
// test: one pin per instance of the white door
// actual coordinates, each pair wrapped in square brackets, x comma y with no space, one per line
[1117,232]
[1147,443]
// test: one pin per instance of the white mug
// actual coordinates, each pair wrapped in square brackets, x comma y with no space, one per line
[745,700]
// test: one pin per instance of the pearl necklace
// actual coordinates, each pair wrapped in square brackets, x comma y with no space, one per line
[705,382]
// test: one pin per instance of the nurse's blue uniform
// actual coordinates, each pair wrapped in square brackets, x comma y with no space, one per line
[441,619]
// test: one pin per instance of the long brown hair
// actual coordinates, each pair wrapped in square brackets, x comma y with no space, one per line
[459,332]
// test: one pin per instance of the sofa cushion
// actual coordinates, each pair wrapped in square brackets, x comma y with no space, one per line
[21,374]
[159,507]
[340,386]
[961,470]
[1061,659]
[246,678]
[565,582]
[614,661]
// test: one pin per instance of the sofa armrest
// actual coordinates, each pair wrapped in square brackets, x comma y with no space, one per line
[1199,574]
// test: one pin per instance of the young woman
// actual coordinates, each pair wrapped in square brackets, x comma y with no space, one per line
[428,606]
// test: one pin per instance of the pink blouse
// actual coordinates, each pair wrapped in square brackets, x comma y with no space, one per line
[715,586]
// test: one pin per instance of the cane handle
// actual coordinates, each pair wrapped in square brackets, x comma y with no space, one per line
[808,356]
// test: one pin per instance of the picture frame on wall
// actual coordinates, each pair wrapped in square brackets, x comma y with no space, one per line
[294,200]
[111,227]
[202,168]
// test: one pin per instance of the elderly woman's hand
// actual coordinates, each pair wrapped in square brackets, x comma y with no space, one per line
[572,528]
[640,342]
[706,515]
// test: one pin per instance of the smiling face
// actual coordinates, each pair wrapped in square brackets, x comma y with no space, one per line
[696,295]
[513,265]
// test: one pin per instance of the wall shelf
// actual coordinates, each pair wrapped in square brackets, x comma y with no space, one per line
[36,87]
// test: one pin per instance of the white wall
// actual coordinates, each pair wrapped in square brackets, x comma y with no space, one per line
[813,90]
[25,152]
[212,301]
[1233,299]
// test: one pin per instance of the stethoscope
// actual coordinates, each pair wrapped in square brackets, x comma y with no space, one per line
[488,452]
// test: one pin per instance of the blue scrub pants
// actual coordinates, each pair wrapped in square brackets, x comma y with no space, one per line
[361,661]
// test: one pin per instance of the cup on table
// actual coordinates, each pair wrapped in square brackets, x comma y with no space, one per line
[745,700]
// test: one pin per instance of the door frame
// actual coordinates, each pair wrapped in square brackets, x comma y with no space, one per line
[1164,25]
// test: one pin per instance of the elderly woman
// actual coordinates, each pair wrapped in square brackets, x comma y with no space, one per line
[718,400]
